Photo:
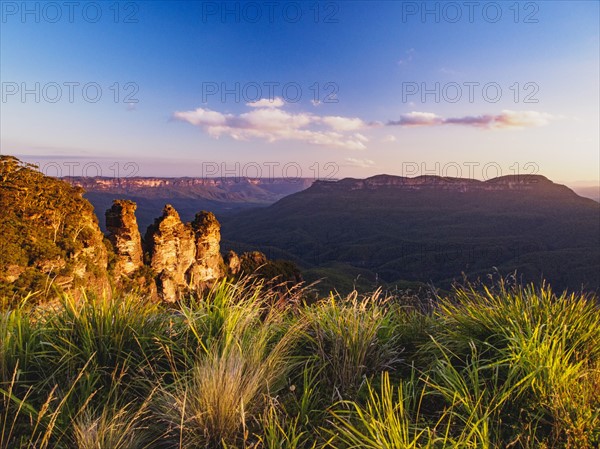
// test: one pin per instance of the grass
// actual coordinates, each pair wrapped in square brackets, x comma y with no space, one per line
[503,366]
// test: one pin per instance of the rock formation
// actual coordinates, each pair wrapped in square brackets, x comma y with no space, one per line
[232,262]
[184,256]
[209,265]
[172,252]
[181,257]
[125,236]
[253,260]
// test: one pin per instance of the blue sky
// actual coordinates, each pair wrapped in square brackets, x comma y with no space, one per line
[357,64]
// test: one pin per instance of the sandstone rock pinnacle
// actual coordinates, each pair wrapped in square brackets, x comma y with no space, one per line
[209,265]
[172,251]
[125,236]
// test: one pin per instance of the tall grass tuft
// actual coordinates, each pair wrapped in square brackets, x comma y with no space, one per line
[389,420]
[544,346]
[114,336]
[278,430]
[352,338]
[113,427]
[493,318]
[21,346]
[240,366]
[24,424]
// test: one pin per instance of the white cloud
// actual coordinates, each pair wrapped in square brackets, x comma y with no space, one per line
[522,119]
[267,103]
[388,138]
[202,116]
[343,123]
[266,121]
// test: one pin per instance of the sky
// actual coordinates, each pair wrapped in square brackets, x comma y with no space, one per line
[303,89]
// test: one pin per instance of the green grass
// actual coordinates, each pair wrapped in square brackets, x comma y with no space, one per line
[483,367]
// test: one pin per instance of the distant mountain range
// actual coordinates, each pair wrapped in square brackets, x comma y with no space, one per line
[188,195]
[389,230]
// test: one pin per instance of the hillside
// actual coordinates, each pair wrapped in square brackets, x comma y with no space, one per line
[187,195]
[49,235]
[50,243]
[389,229]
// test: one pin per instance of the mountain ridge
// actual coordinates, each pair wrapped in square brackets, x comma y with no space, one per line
[187,194]
[430,229]
[385,180]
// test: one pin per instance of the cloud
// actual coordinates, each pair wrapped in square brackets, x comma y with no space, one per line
[506,119]
[418,119]
[362,163]
[267,103]
[268,121]
[343,123]
[522,119]
[359,136]
[388,138]
[204,117]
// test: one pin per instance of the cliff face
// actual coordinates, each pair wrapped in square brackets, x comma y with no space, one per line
[208,265]
[184,256]
[123,233]
[49,235]
[229,189]
[170,244]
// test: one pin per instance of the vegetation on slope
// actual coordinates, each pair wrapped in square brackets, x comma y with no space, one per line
[390,234]
[504,366]
[49,235]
